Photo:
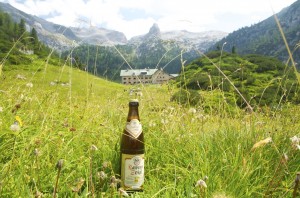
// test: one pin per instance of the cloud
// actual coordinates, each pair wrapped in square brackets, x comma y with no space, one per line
[135,17]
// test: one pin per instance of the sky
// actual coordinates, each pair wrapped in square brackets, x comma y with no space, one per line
[135,17]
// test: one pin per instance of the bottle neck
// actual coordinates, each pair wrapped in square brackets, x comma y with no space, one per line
[133,113]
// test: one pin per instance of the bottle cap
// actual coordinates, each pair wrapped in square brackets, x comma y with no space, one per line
[133,100]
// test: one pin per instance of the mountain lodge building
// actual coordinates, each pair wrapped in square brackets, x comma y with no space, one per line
[145,76]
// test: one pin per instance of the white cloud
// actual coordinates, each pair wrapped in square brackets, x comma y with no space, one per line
[192,15]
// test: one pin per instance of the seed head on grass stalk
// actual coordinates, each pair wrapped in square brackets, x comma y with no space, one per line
[201,184]
[93,149]
[59,166]
[261,143]
[296,187]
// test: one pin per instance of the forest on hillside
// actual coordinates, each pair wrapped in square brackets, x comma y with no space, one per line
[16,41]
[261,80]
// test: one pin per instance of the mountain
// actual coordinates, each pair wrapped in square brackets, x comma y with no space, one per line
[61,37]
[265,38]
[186,40]
[155,49]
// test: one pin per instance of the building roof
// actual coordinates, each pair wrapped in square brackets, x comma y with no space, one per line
[174,75]
[138,72]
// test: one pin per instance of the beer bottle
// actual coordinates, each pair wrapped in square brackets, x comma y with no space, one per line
[132,151]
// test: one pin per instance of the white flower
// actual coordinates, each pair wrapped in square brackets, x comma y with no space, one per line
[30,85]
[102,175]
[201,183]
[36,152]
[295,140]
[52,83]
[152,124]
[164,121]
[15,127]
[192,110]
[105,164]
[123,192]
[200,116]
[19,76]
[94,148]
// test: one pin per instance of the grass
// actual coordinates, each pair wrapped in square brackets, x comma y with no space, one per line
[71,122]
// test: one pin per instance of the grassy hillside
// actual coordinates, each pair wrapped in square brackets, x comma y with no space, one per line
[55,120]
[263,81]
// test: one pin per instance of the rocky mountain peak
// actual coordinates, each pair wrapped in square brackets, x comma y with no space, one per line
[154,31]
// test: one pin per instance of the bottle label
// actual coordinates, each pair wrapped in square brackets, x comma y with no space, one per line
[132,171]
[134,128]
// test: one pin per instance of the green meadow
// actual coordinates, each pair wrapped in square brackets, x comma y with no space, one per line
[60,130]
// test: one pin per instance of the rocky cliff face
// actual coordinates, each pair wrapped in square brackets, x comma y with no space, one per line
[182,38]
[265,37]
[61,37]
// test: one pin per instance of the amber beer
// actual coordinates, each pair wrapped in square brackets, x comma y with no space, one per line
[132,151]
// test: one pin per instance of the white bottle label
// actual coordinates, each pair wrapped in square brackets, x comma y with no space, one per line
[132,174]
[134,128]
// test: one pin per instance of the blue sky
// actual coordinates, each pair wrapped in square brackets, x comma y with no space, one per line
[135,17]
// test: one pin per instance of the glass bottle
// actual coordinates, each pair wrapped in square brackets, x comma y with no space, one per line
[132,151]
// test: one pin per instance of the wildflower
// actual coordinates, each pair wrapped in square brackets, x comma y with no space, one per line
[260,123]
[101,175]
[122,192]
[201,183]
[152,124]
[114,180]
[19,76]
[36,152]
[94,148]
[192,111]
[15,127]
[164,121]
[295,142]
[284,158]
[52,83]
[38,194]
[65,84]
[200,116]
[105,164]
[78,185]
[261,143]
[18,119]
[30,85]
